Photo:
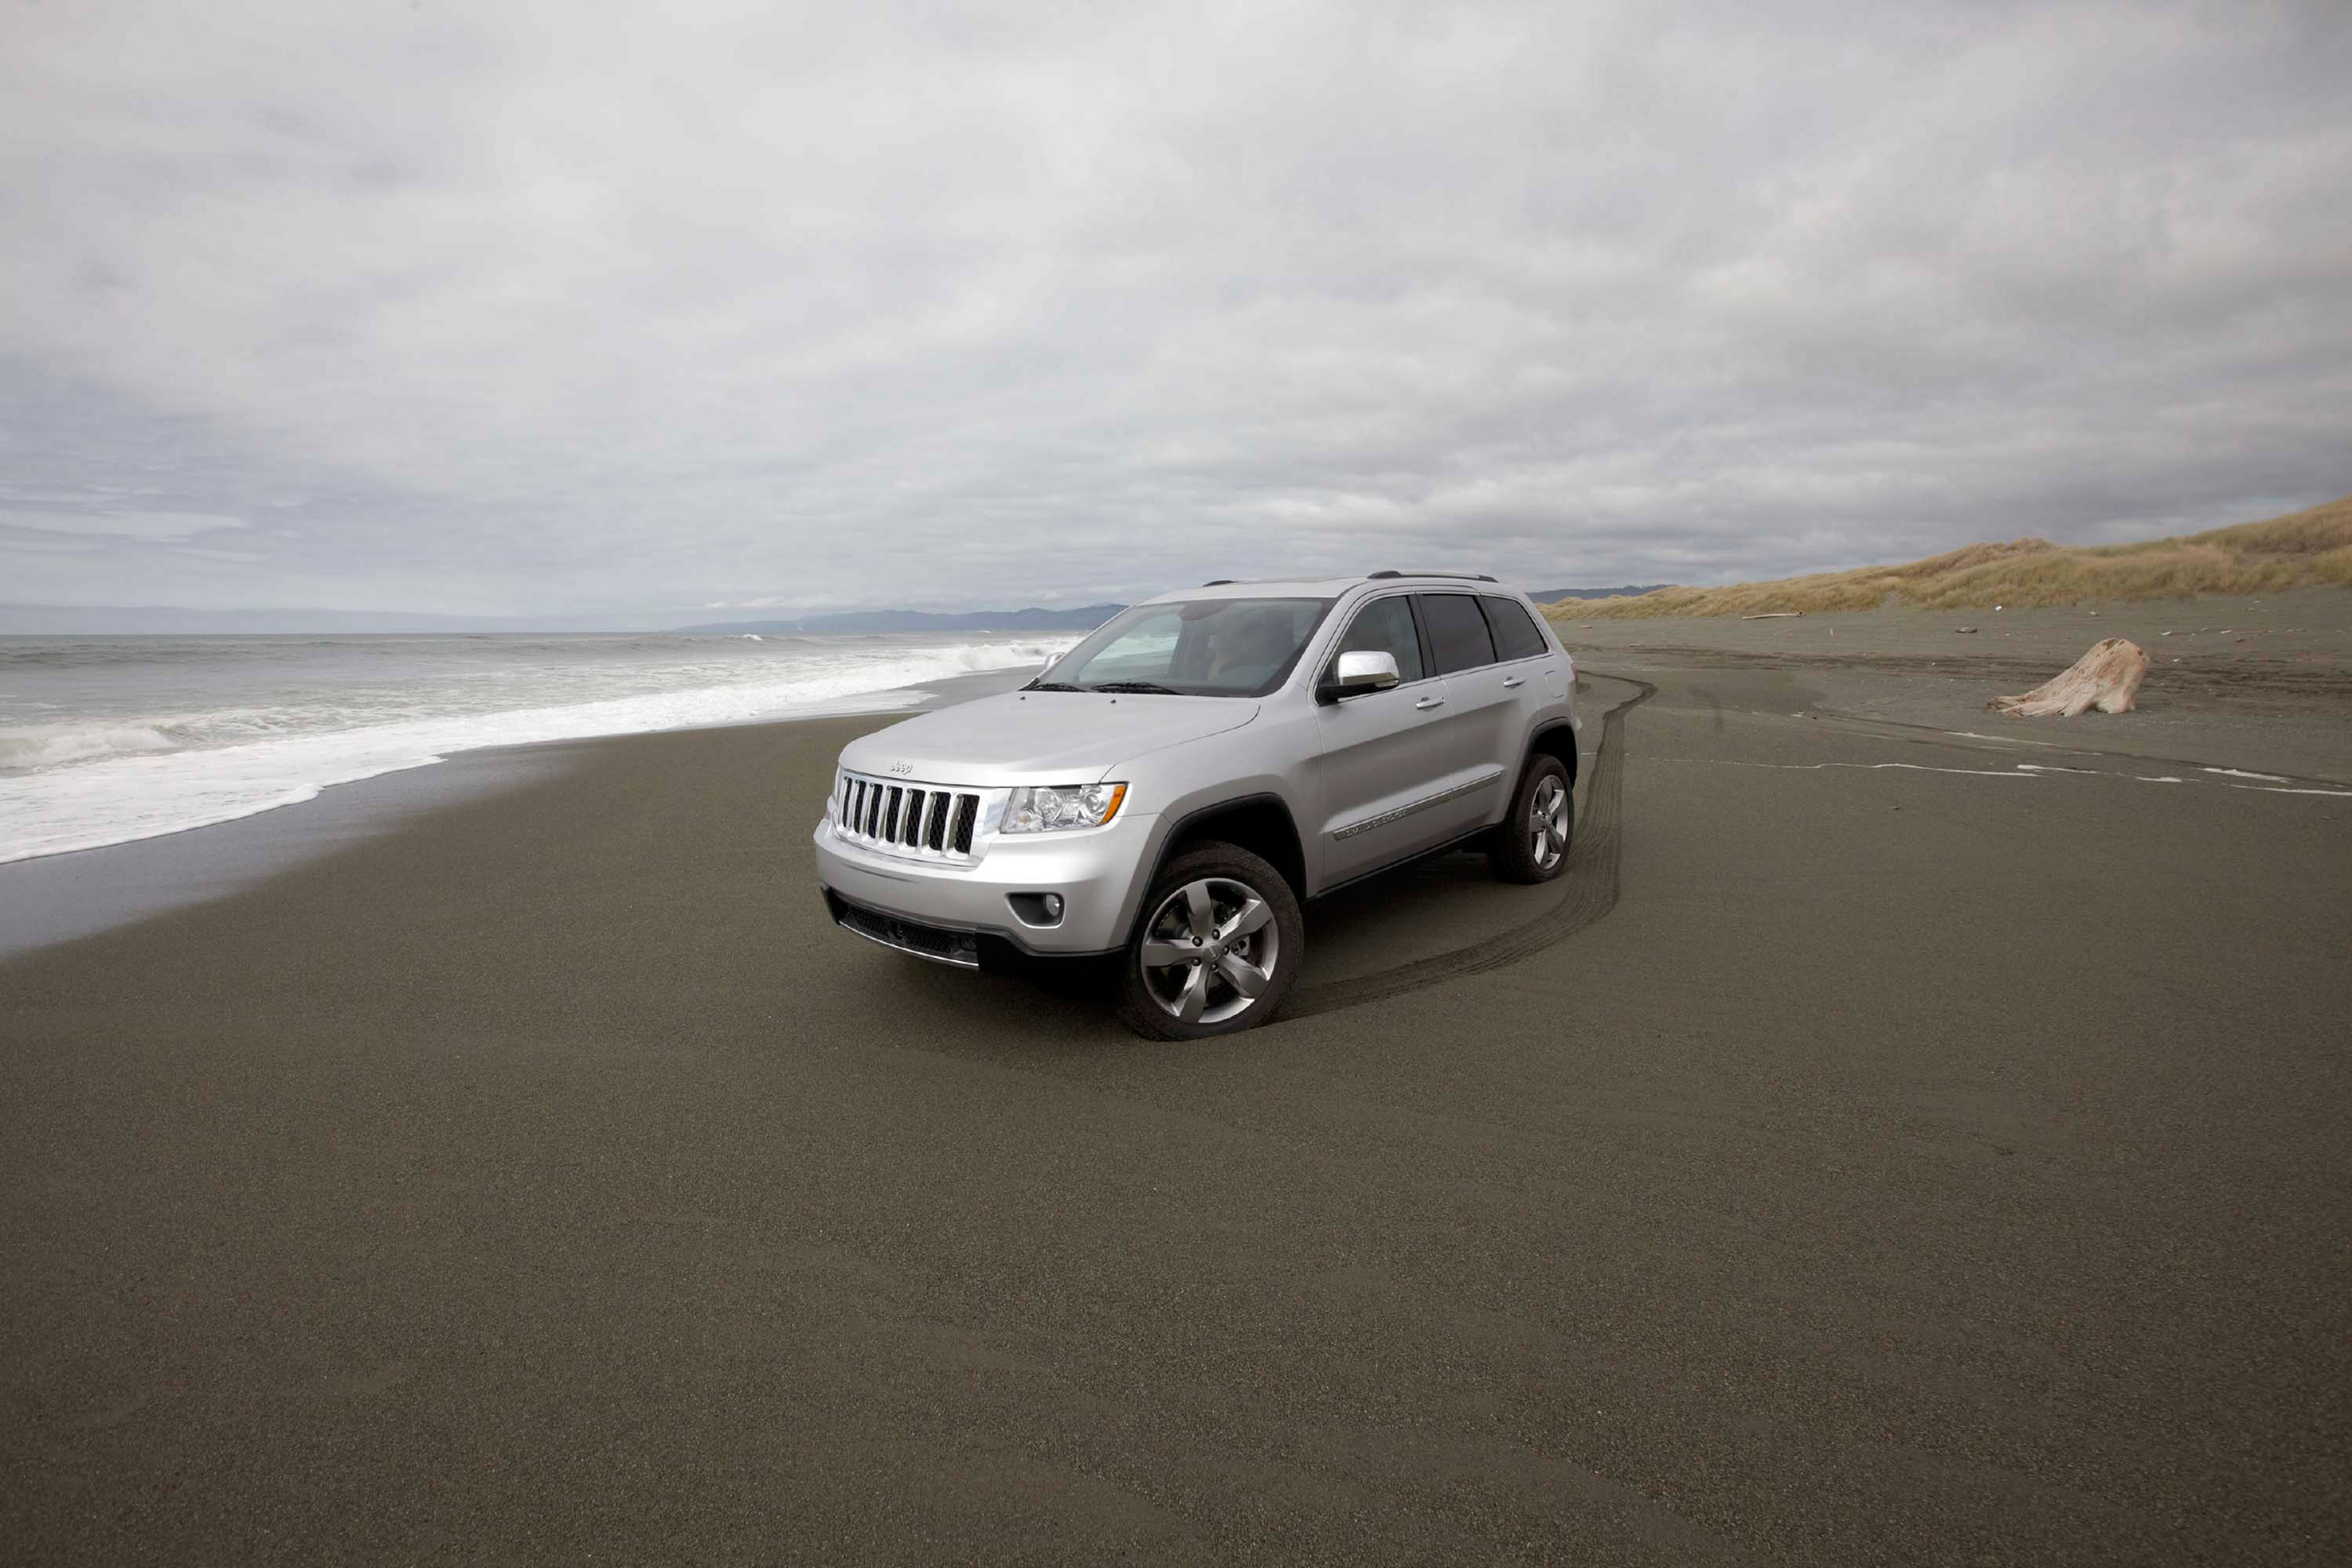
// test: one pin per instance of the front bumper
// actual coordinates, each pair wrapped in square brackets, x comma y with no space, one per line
[1095,871]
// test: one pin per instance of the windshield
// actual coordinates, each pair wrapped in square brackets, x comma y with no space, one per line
[1206,648]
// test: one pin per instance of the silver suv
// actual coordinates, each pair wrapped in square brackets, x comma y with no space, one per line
[1173,788]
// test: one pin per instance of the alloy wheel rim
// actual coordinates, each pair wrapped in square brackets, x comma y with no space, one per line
[1548,823]
[1210,950]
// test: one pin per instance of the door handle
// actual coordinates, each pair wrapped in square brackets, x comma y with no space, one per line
[1511,680]
[1428,702]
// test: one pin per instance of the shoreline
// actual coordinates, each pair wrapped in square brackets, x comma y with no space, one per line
[52,898]
[2259,684]
[2261,697]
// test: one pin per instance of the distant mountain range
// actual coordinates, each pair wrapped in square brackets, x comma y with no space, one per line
[1032,619]
[112,620]
[1553,595]
[172,620]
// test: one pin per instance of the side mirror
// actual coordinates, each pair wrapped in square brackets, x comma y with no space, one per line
[1358,675]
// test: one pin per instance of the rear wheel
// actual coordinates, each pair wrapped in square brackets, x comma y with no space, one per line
[1218,951]
[1532,844]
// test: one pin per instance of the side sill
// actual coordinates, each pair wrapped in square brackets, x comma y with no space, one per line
[1456,842]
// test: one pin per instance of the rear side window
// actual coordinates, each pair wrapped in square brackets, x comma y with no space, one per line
[1516,632]
[1385,625]
[1457,632]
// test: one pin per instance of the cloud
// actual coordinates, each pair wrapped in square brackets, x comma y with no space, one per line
[538,308]
[144,526]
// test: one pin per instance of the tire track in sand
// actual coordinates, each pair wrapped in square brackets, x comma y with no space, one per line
[1588,889]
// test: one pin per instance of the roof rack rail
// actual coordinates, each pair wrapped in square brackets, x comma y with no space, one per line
[1218,582]
[1458,577]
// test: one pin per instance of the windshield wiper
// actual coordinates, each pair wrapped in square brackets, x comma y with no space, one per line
[1147,687]
[1052,686]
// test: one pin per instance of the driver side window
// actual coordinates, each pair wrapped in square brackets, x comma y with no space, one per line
[1385,625]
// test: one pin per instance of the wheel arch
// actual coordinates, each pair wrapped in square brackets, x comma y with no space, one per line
[1259,823]
[1556,738]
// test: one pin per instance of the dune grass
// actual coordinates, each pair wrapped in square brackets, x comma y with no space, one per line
[2304,549]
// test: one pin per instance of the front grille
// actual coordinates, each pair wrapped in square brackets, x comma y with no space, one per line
[908,819]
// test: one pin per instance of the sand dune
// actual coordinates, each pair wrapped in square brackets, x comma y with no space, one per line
[2302,550]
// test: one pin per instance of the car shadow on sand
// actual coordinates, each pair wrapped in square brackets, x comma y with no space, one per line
[1441,919]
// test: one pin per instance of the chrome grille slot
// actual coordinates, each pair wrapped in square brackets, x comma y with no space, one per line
[916,821]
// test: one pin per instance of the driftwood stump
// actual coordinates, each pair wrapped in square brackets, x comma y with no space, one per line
[2108,678]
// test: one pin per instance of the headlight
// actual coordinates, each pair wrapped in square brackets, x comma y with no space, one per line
[1046,809]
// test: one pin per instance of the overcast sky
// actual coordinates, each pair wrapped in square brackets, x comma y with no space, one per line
[580,307]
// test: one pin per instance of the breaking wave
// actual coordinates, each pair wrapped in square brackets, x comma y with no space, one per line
[67,785]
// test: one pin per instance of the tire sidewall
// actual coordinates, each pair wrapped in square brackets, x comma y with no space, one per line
[1137,1006]
[1513,859]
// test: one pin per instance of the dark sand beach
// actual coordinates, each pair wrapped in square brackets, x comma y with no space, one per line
[1887,1145]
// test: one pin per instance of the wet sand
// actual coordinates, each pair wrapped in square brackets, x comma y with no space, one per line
[1874,1150]
[56,897]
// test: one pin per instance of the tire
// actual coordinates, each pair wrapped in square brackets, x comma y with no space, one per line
[1239,889]
[1531,842]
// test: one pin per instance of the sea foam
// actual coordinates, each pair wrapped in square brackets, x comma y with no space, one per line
[67,786]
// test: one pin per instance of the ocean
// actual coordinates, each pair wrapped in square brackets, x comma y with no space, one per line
[105,740]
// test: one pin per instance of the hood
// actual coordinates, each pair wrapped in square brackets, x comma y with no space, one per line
[1039,737]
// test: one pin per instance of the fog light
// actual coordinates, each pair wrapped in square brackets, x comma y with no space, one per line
[1039,910]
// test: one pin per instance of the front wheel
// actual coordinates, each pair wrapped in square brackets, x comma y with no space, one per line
[1532,844]
[1218,951]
